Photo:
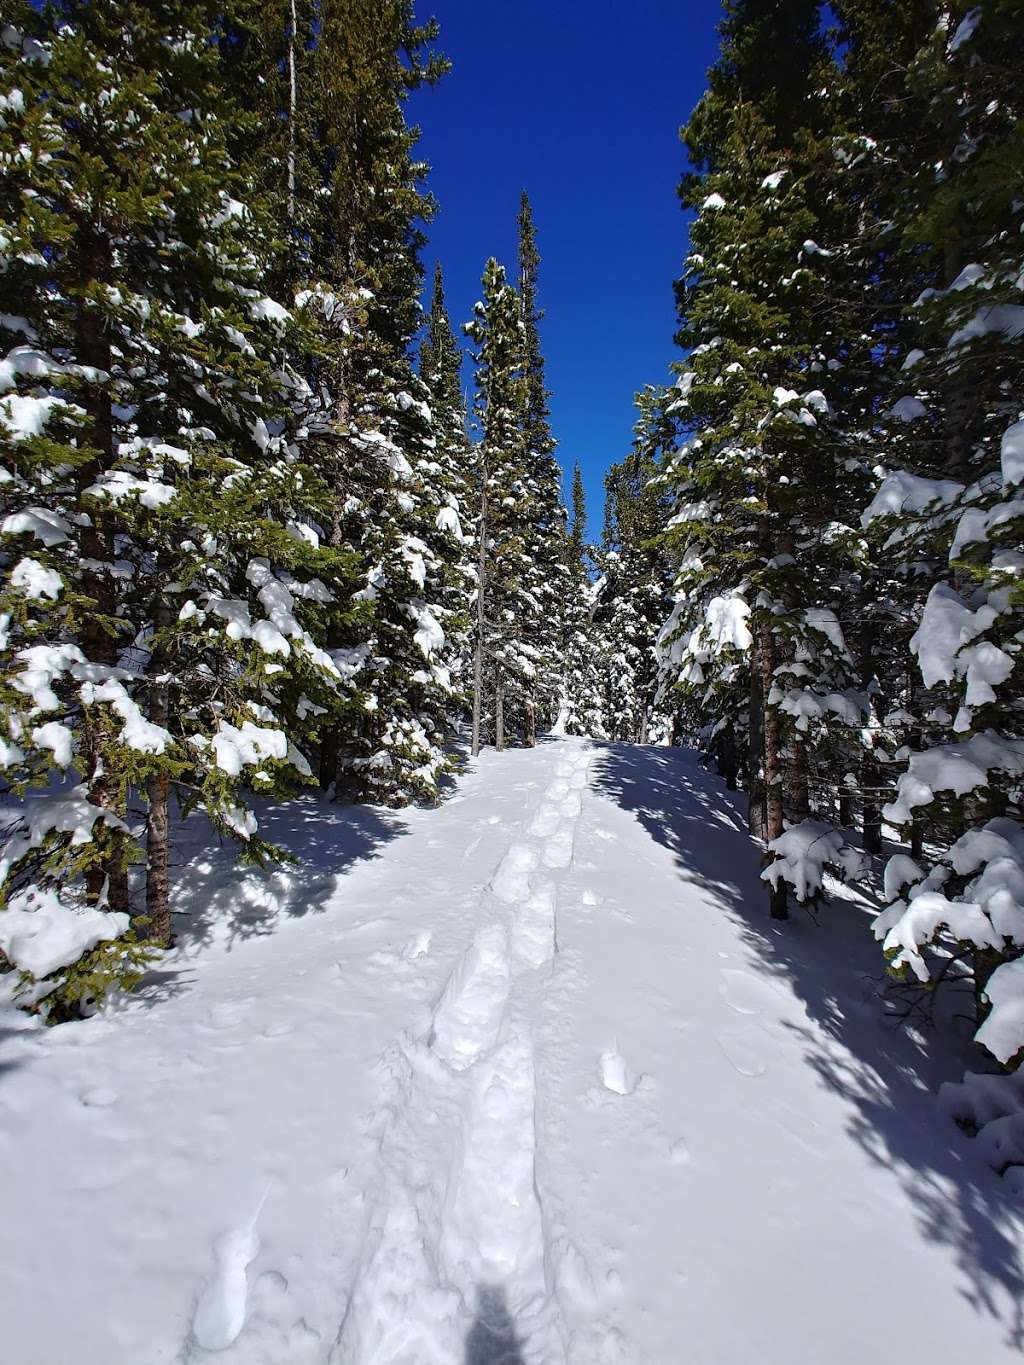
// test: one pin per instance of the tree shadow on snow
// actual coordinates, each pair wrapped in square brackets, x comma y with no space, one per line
[214,898]
[492,1338]
[886,1074]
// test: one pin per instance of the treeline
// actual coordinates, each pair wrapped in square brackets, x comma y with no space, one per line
[844,457]
[243,524]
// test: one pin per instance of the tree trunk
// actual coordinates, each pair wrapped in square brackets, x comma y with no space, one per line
[727,757]
[530,726]
[499,710]
[845,803]
[292,103]
[773,768]
[481,616]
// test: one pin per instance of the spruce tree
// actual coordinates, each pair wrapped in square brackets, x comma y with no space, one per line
[166,639]
[503,661]
[946,520]
[760,469]
[544,567]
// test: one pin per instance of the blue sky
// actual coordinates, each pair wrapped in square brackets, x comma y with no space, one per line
[580,104]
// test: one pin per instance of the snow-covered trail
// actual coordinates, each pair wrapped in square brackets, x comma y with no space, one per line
[529,1078]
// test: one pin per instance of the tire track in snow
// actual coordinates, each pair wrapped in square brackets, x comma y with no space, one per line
[457,1219]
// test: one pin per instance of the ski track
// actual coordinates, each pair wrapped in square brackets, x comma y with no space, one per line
[463,1094]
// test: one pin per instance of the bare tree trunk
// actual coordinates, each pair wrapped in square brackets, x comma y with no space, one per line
[845,803]
[530,725]
[292,104]
[481,616]
[499,710]
[727,757]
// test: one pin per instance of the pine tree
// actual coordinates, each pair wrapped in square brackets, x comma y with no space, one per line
[544,567]
[636,593]
[440,369]
[149,439]
[946,519]
[755,635]
[581,709]
[354,258]
[504,667]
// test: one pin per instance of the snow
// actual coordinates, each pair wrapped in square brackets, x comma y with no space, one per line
[966,29]
[35,580]
[368,1110]
[269,310]
[902,491]
[724,627]
[946,626]
[247,745]
[803,853]
[429,636]
[137,732]
[995,319]
[957,768]
[908,409]
[40,934]
[46,525]
[58,739]
[118,484]
[713,201]
[26,416]
[1013,454]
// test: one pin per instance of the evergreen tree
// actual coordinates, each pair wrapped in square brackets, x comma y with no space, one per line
[755,636]
[545,572]
[161,605]
[354,259]
[504,662]
[946,519]
[581,710]
[440,369]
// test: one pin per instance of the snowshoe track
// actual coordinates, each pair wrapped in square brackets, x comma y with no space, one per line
[437,1260]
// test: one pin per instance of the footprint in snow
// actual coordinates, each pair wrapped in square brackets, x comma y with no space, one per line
[468,1016]
[558,849]
[545,821]
[742,1048]
[227,1014]
[746,994]
[220,1309]
[100,1098]
[615,1074]
[279,1030]
[417,947]
[511,882]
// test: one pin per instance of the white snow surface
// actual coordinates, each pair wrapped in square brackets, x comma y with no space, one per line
[39,933]
[530,1078]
